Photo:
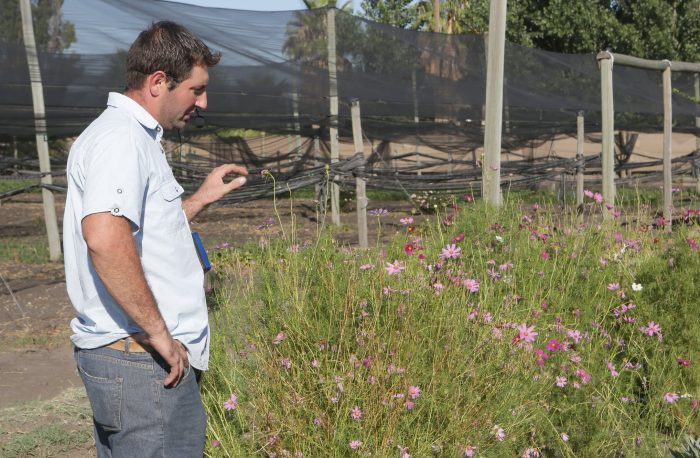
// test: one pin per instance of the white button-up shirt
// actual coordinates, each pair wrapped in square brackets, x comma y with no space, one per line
[118,165]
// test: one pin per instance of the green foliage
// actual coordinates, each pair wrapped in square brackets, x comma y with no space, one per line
[302,335]
[652,29]
[50,32]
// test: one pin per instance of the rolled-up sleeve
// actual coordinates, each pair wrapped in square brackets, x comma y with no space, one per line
[116,179]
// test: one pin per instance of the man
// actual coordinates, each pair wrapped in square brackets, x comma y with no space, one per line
[141,333]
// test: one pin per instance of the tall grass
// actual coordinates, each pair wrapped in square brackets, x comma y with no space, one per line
[318,350]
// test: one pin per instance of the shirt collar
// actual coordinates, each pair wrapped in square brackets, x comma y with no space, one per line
[123,102]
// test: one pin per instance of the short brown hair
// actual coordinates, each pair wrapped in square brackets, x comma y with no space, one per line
[168,47]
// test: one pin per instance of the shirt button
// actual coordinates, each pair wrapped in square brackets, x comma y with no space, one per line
[157,128]
[119,191]
[116,209]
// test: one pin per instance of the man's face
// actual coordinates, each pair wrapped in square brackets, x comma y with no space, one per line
[179,103]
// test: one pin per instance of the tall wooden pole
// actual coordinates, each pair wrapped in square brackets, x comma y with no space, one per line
[579,158]
[360,183]
[491,172]
[333,131]
[668,120]
[42,144]
[697,136]
[605,60]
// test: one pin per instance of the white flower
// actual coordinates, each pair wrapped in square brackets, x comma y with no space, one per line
[565,437]
[636,287]
[499,239]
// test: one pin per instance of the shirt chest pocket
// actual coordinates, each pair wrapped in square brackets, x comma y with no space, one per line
[167,206]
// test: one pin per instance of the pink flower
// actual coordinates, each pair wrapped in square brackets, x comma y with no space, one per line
[553,345]
[314,364]
[394,268]
[231,403]
[588,193]
[355,444]
[406,221]
[356,413]
[366,266]
[565,437]
[583,375]
[693,244]
[451,251]
[408,248]
[611,368]
[613,286]
[651,329]
[468,450]
[671,397]
[544,255]
[598,197]
[574,334]
[409,404]
[471,284]
[527,334]
[561,382]
[286,363]
[414,391]
[280,337]
[683,361]
[499,433]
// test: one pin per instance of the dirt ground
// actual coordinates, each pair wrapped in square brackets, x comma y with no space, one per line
[36,361]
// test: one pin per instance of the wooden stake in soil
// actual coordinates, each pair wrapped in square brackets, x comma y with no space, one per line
[360,183]
[42,144]
[579,158]
[668,120]
[333,130]
[605,60]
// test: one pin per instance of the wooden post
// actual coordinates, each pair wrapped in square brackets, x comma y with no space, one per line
[42,144]
[491,171]
[297,125]
[414,89]
[605,60]
[360,183]
[333,131]
[668,120]
[697,137]
[579,158]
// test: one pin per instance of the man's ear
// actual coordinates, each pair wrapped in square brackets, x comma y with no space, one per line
[157,83]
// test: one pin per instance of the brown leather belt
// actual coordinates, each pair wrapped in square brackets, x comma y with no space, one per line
[128,344]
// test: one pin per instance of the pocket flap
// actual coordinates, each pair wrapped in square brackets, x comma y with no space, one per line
[171,190]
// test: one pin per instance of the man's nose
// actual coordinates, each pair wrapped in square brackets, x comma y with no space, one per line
[202,101]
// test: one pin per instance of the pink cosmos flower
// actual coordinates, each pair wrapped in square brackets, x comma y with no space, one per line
[611,368]
[574,334]
[356,413]
[231,403]
[355,444]
[598,198]
[468,451]
[527,334]
[409,404]
[651,329]
[583,375]
[366,266]
[553,345]
[215,443]
[544,255]
[394,268]
[588,193]
[683,361]
[286,363]
[471,284]
[451,251]
[531,453]
[613,286]
[499,433]
[279,338]
[565,437]
[406,221]
[414,391]
[408,248]
[561,382]
[693,244]
[671,397]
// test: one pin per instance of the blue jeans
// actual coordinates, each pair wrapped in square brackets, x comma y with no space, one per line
[133,413]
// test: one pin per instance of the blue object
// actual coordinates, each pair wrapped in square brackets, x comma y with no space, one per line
[201,252]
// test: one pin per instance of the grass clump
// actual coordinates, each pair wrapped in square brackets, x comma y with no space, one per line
[521,331]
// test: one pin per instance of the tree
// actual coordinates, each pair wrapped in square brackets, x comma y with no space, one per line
[52,34]
[651,29]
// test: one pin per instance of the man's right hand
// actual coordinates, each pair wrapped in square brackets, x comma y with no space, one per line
[172,351]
